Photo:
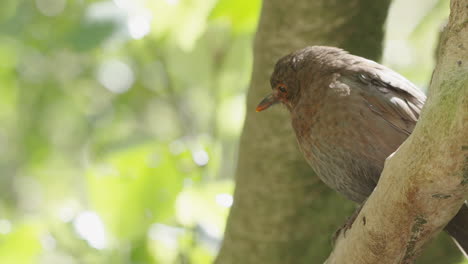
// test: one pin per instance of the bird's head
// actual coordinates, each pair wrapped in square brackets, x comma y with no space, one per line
[295,72]
[283,83]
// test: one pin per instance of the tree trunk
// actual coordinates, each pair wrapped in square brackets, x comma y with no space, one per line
[282,213]
[425,182]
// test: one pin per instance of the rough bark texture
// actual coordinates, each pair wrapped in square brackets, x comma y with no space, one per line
[426,181]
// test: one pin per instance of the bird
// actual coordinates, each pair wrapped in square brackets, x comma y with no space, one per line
[349,114]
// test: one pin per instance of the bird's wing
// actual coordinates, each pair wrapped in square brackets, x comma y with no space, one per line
[388,94]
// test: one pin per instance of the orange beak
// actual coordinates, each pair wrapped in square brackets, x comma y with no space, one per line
[267,102]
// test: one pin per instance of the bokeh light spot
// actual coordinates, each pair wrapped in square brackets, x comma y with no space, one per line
[68,211]
[90,227]
[200,157]
[116,76]
[224,199]
[124,4]
[165,234]
[172,2]
[231,115]
[5,226]
[176,147]
[51,7]
[48,242]
[139,26]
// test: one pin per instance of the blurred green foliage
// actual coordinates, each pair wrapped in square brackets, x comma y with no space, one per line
[413,31]
[120,122]
[119,128]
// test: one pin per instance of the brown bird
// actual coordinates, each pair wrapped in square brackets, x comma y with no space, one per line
[349,114]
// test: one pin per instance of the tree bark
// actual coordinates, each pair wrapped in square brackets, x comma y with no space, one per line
[425,182]
[282,213]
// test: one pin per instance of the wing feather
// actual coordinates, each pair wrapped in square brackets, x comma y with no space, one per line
[388,94]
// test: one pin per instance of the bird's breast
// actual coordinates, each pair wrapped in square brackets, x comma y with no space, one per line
[335,139]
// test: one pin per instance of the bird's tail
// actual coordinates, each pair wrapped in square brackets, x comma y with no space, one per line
[458,229]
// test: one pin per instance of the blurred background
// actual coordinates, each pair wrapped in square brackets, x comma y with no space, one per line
[120,122]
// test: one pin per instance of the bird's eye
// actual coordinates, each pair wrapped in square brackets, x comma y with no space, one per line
[282,89]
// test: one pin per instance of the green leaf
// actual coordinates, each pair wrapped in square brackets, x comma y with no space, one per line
[21,246]
[242,14]
[9,9]
[89,35]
